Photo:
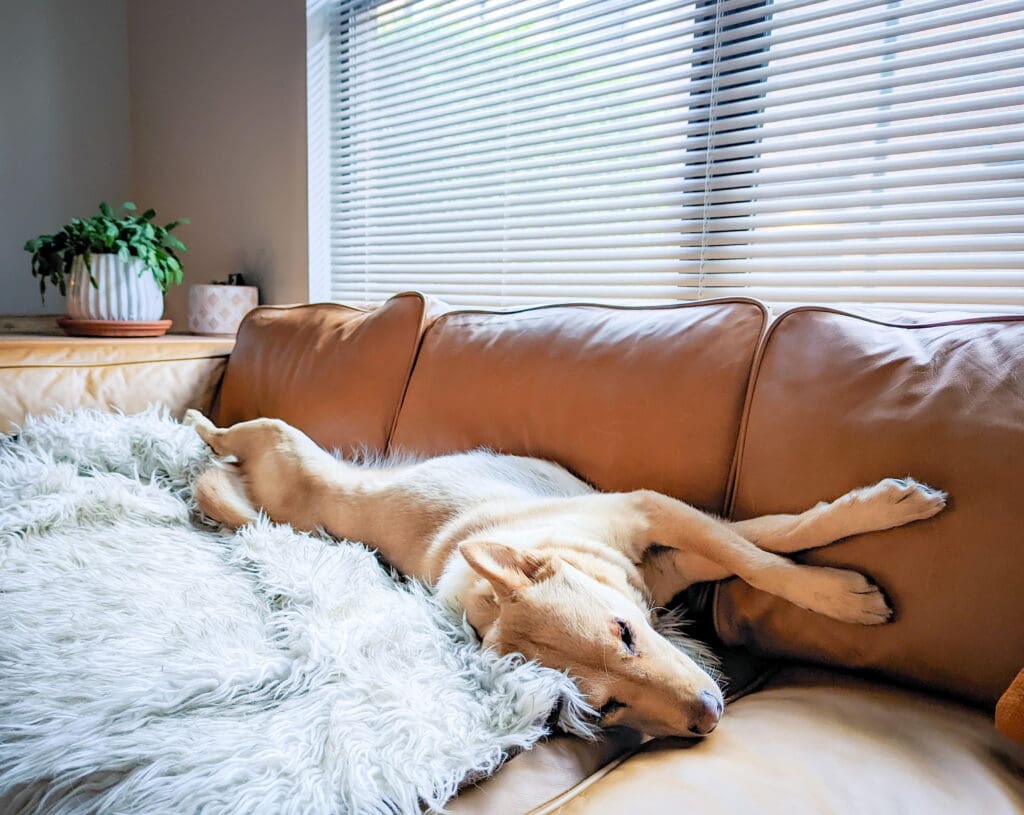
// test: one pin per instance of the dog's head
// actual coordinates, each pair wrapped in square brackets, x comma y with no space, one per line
[595,624]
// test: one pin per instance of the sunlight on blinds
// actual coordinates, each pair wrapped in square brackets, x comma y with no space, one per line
[521,151]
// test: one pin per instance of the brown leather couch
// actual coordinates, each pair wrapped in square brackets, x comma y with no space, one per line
[741,415]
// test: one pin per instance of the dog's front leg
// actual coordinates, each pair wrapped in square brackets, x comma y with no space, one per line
[889,503]
[709,549]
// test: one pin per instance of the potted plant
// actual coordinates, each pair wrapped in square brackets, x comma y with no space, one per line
[114,269]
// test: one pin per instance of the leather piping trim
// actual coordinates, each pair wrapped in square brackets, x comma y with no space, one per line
[755,377]
[297,306]
[607,307]
[294,306]
[564,797]
[126,363]
[741,432]
[603,306]
[421,331]
[755,359]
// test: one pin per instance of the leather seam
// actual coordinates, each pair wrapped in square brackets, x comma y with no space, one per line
[600,306]
[109,364]
[294,306]
[748,391]
[417,344]
[980,319]
[566,796]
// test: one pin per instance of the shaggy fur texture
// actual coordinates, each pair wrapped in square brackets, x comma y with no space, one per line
[149,664]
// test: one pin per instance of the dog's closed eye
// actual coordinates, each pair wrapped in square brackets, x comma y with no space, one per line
[626,635]
[609,707]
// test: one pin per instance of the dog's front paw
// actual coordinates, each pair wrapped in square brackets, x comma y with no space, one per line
[846,596]
[898,501]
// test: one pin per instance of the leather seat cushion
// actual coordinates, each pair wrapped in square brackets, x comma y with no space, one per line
[336,372]
[818,742]
[534,778]
[840,401]
[625,397]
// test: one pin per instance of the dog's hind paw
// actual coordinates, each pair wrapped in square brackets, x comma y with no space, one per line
[193,418]
[206,429]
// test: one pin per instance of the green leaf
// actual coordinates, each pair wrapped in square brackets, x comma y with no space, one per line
[130,235]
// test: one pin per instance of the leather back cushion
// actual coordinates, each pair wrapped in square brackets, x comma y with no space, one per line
[337,373]
[840,402]
[624,397]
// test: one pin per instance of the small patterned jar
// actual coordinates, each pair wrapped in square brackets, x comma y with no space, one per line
[214,309]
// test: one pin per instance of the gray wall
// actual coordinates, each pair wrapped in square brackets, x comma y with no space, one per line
[194,107]
[64,127]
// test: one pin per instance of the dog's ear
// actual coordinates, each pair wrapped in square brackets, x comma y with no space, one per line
[506,568]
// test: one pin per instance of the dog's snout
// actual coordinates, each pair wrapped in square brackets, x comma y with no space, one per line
[709,712]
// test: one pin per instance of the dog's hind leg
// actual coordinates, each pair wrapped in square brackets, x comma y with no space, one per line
[889,503]
[240,440]
[220,495]
[283,472]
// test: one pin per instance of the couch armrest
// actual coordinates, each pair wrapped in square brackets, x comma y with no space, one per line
[40,374]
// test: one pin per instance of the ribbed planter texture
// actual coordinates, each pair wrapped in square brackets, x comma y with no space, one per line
[127,291]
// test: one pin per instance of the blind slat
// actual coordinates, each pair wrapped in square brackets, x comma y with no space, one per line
[539,129]
[519,151]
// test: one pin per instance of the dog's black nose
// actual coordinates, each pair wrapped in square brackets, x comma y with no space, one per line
[709,714]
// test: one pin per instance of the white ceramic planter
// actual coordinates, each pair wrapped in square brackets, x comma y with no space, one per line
[127,291]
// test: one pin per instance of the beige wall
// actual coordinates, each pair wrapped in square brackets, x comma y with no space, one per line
[218,125]
[64,127]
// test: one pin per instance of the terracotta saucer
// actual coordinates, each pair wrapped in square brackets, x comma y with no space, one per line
[113,328]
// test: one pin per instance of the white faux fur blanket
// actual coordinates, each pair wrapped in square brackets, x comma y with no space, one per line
[149,664]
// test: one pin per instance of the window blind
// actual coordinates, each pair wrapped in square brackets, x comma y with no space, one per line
[520,151]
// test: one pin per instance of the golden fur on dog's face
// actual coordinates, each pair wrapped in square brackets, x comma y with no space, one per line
[600,632]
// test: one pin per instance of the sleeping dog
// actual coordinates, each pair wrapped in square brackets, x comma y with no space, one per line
[545,566]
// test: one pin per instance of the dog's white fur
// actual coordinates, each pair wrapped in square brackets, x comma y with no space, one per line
[546,566]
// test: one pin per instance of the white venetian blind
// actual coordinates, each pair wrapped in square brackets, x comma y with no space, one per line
[508,152]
